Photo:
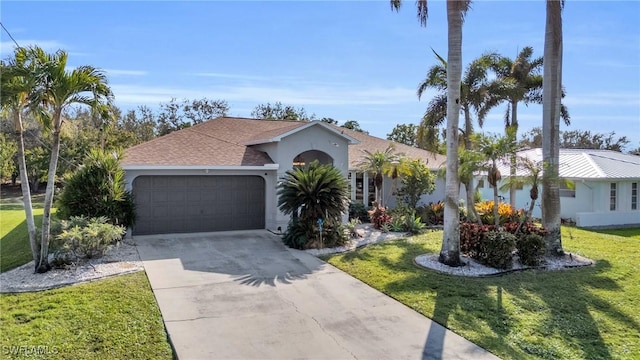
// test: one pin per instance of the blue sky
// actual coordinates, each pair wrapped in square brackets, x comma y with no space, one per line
[349,60]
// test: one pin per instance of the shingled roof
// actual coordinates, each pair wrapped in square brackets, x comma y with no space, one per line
[223,142]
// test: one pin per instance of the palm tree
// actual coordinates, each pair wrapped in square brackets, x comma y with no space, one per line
[495,148]
[312,193]
[473,92]
[456,9]
[18,80]
[450,251]
[377,164]
[533,171]
[59,89]
[551,113]
[517,81]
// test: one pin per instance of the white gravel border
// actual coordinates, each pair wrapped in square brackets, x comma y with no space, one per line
[122,259]
[475,269]
[367,235]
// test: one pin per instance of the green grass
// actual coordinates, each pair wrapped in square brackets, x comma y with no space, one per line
[114,318]
[14,241]
[585,313]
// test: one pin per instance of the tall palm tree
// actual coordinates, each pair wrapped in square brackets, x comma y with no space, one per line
[456,9]
[59,89]
[551,113]
[518,81]
[17,81]
[450,251]
[473,93]
[379,163]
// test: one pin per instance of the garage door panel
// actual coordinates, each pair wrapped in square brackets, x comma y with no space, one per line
[178,204]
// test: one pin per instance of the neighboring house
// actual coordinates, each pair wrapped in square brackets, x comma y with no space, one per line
[597,187]
[222,174]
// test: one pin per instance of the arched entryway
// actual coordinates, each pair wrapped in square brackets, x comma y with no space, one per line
[305,158]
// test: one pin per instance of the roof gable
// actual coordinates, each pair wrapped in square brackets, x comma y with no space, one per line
[277,135]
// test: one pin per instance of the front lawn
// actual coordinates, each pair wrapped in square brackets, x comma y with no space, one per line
[585,313]
[114,318]
[14,240]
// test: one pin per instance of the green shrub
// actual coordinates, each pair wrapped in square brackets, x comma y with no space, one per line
[358,211]
[496,249]
[432,214]
[398,224]
[97,189]
[413,224]
[379,217]
[350,227]
[304,235]
[84,238]
[298,234]
[531,249]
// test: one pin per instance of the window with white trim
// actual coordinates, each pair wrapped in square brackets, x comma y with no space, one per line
[634,196]
[567,189]
[613,194]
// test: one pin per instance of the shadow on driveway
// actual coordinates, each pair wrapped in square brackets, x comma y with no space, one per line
[254,258]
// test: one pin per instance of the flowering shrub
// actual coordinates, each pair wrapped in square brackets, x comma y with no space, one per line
[379,217]
[505,212]
[432,214]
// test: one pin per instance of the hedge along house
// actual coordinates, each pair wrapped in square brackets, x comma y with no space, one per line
[222,174]
[597,187]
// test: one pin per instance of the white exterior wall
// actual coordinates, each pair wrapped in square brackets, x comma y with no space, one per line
[268,174]
[602,215]
[590,206]
[312,138]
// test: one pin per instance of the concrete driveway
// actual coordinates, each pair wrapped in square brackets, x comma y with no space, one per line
[244,295]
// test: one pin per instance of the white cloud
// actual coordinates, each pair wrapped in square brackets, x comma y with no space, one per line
[119,72]
[302,96]
[604,99]
[7,47]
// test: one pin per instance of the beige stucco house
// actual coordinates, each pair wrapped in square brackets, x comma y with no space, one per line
[222,174]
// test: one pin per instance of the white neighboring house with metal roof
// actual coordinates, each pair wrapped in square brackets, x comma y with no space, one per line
[604,192]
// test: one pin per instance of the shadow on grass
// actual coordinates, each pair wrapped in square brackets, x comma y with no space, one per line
[624,232]
[16,250]
[559,305]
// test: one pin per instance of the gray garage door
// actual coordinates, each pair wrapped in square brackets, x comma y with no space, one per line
[183,204]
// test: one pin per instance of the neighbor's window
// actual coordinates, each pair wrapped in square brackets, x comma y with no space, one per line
[612,197]
[567,189]
[634,196]
[480,184]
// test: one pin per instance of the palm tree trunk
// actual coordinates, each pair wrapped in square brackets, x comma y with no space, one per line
[512,168]
[43,265]
[496,213]
[26,191]
[450,252]
[468,185]
[552,80]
